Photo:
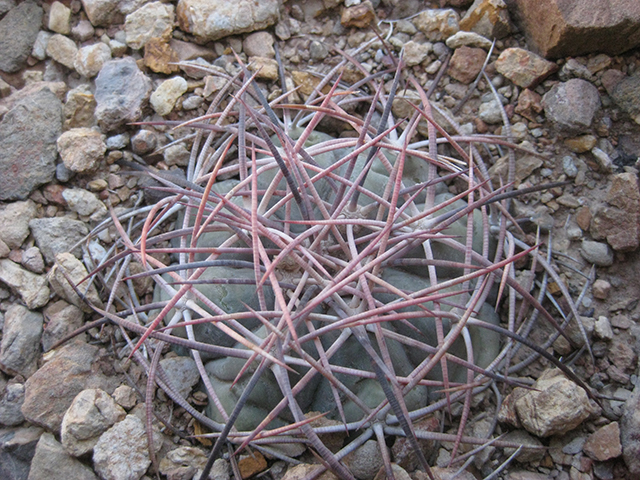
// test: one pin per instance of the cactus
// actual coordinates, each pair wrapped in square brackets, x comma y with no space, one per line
[355,277]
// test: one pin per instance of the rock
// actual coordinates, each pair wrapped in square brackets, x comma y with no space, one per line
[163,99]
[451,474]
[192,102]
[102,13]
[57,235]
[365,461]
[39,50]
[158,56]
[556,406]
[76,272]
[14,218]
[91,413]
[571,105]
[524,68]
[18,31]
[84,203]
[468,39]
[490,112]
[267,68]
[32,288]
[121,92]
[186,460]
[90,59]
[489,18]
[626,94]
[10,414]
[177,155]
[152,20]
[50,391]
[526,455]
[359,16]
[183,373]
[32,260]
[61,319]
[437,24]
[17,448]
[597,253]
[81,149]
[466,63]
[630,432]
[529,104]
[604,443]
[259,44]
[191,51]
[556,28]
[622,355]
[252,464]
[20,345]
[601,289]
[603,329]
[125,396]
[574,69]
[52,462]
[28,155]
[60,18]
[581,144]
[79,108]
[399,473]
[415,53]
[121,452]
[6,5]
[63,50]
[144,141]
[83,31]
[214,19]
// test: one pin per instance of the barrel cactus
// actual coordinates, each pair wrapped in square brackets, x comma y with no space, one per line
[328,283]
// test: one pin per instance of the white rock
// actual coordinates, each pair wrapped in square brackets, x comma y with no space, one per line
[603,329]
[468,39]
[59,18]
[91,413]
[39,50]
[62,49]
[153,20]
[81,149]
[31,287]
[91,58]
[164,98]
[84,203]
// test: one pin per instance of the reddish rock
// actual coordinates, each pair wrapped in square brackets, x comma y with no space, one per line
[466,64]
[560,28]
[583,217]
[489,18]
[529,104]
[604,443]
[524,68]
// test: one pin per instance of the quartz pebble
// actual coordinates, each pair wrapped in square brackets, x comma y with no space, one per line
[163,99]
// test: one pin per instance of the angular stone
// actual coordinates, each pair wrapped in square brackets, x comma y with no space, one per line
[630,432]
[158,56]
[214,19]
[79,108]
[555,406]
[18,31]
[60,18]
[466,63]
[91,413]
[32,288]
[62,319]
[102,13]
[81,149]
[152,20]
[84,203]
[32,260]
[76,272]
[50,391]
[604,443]
[489,18]
[29,131]
[20,341]
[626,93]
[63,50]
[437,25]
[164,98]
[359,16]
[259,44]
[121,92]
[52,462]
[10,414]
[90,59]
[267,68]
[17,448]
[14,218]
[415,53]
[581,144]
[572,105]
[529,104]
[524,68]
[58,235]
[183,373]
[562,28]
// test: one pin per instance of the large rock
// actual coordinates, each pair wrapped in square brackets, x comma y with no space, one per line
[572,105]
[32,288]
[626,94]
[214,19]
[18,31]
[62,319]
[17,448]
[28,155]
[122,91]
[52,462]
[20,345]
[437,25]
[153,20]
[560,28]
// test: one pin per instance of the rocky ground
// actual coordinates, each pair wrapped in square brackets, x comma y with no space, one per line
[74,75]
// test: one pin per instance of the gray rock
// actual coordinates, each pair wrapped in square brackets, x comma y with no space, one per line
[63,174]
[185,460]
[57,235]
[32,260]
[626,94]
[153,20]
[630,432]
[526,455]
[52,462]
[177,155]
[14,218]
[81,149]
[83,31]
[118,142]
[214,19]
[122,453]
[10,414]
[6,5]
[597,253]
[32,288]
[17,447]
[28,154]
[365,461]
[490,112]
[92,412]
[39,50]
[571,105]
[18,31]
[121,92]
[555,406]
[84,203]
[50,391]
[260,44]
[192,102]
[20,345]
[61,318]
[62,49]
[183,373]
[76,272]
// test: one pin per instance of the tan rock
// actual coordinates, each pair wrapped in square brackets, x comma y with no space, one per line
[524,68]
[359,16]
[489,18]
[437,25]
[76,273]
[158,56]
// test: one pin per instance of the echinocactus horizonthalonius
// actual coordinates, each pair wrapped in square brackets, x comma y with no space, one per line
[354,276]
